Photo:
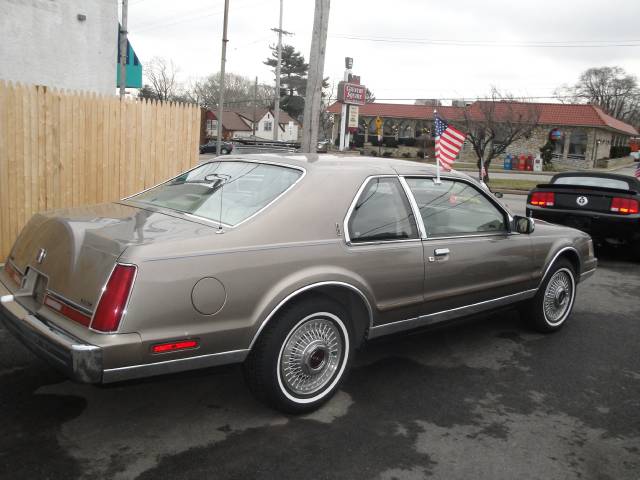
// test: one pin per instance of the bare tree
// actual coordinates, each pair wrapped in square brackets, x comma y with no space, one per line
[326,118]
[239,92]
[492,125]
[610,88]
[161,74]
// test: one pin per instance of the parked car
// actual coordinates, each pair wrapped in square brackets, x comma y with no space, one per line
[211,147]
[605,205]
[323,146]
[286,263]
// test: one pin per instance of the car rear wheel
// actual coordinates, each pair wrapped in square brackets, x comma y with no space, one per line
[552,305]
[224,151]
[301,358]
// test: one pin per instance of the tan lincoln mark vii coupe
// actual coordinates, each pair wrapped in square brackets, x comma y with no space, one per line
[286,263]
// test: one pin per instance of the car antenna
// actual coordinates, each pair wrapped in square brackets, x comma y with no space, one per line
[222,178]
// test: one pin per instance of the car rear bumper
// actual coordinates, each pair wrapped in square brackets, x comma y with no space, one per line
[78,360]
[596,224]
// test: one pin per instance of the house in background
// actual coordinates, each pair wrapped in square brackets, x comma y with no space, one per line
[240,123]
[68,44]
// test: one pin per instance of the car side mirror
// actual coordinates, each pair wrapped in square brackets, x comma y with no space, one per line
[523,224]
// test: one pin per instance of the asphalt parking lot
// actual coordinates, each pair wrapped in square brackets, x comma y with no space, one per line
[487,399]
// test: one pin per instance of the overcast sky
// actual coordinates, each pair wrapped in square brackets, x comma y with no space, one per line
[520,47]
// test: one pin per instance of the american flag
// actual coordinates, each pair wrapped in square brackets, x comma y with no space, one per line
[637,172]
[448,143]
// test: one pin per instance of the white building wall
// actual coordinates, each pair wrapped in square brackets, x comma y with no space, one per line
[43,42]
[290,133]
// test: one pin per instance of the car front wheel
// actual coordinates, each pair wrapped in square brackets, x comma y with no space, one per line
[302,356]
[552,305]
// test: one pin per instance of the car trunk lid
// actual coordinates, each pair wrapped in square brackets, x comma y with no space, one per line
[74,251]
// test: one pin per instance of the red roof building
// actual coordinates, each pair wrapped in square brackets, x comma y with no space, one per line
[587,133]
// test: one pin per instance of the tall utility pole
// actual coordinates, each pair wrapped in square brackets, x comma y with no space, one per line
[311,120]
[123,48]
[255,106]
[223,62]
[276,113]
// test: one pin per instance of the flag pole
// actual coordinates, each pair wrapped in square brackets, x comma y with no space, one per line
[435,114]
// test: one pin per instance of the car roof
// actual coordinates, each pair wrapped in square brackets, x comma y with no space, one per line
[633,182]
[347,164]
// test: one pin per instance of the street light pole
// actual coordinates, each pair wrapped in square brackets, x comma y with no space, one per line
[223,62]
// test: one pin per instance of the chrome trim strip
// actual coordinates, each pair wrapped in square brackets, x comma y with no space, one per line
[126,305]
[345,222]
[432,318]
[587,274]
[473,184]
[70,303]
[110,375]
[304,289]
[555,257]
[218,159]
[414,207]
[472,235]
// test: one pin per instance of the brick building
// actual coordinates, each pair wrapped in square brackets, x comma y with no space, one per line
[587,134]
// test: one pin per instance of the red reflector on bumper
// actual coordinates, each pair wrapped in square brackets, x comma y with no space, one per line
[173,346]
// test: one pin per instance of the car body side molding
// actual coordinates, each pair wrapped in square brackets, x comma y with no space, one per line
[437,317]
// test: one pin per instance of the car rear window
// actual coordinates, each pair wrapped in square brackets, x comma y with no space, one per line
[593,182]
[227,192]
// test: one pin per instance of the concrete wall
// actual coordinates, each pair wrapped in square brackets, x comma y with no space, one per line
[42,42]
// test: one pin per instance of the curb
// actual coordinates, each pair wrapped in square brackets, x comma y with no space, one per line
[510,191]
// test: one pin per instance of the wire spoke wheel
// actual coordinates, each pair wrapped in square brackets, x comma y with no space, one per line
[558,297]
[311,355]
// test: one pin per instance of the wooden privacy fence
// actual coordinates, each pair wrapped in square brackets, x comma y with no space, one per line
[64,149]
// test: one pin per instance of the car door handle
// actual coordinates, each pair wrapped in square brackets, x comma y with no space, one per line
[441,252]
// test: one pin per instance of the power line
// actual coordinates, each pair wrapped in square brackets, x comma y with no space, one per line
[490,43]
[472,98]
[194,16]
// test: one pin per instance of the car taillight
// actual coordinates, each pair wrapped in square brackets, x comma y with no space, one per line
[625,206]
[114,299]
[542,199]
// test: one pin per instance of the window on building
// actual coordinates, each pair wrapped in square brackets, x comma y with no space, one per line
[268,126]
[578,143]
[212,127]
[382,213]
[455,208]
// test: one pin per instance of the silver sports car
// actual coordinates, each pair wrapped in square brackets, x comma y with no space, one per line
[286,263]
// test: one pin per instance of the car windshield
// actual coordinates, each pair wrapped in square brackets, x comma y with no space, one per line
[225,192]
[593,182]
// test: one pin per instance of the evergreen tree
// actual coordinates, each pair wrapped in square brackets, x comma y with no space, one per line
[293,78]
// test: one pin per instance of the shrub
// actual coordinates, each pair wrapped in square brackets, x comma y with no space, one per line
[406,154]
[618,151]
[420,154]
[387,154]
[373,153]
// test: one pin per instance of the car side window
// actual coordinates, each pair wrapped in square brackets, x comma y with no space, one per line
[455,208]
[382,213]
